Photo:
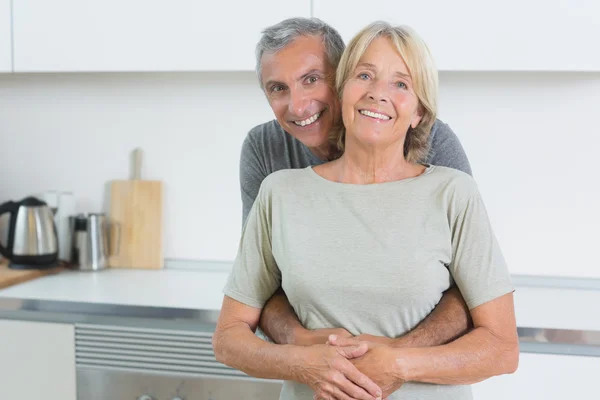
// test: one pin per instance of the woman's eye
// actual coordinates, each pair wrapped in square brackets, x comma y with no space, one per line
[363,76]
[312,79]
[402,85]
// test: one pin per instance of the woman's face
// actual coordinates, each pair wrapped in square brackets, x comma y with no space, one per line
[378,101]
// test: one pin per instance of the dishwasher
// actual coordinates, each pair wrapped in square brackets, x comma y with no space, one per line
[133,363]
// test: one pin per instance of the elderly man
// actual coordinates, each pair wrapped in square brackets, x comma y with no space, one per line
[296,63]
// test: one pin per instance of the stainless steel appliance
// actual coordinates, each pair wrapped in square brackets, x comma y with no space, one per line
[90,241]
[137,363]
[32,238]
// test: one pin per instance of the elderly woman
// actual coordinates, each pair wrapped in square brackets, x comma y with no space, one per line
[414,228]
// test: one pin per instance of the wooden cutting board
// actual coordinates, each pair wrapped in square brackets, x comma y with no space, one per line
[136,216]
[9,277]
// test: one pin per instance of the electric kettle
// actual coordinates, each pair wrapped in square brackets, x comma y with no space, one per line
[32,237]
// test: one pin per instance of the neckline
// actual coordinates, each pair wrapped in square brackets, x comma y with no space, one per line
[367,186]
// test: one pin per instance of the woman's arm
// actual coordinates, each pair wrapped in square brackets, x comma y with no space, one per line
[490,349]
[324,368]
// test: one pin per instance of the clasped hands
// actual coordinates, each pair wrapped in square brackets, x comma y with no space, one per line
[339,366]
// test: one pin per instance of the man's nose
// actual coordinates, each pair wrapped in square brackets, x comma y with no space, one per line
[298,103]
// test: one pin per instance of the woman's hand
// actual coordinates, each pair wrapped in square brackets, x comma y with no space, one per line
[379,362]
[330,374]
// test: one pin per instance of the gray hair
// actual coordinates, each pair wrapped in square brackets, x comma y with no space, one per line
[278,36]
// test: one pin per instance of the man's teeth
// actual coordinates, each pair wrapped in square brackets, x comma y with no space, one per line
[309,121]
[375,115]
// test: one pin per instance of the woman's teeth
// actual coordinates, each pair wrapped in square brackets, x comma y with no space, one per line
[310,120]
[375,115]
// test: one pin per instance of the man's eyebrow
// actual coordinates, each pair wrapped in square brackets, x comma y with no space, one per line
[271,83]
[311,72]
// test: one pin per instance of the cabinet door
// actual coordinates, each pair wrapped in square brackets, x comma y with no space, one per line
[534,35]
[37,360]
[140,35]
[5,37]
[544,376]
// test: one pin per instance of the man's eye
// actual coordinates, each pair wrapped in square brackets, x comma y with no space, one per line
[277,88]
[312,79]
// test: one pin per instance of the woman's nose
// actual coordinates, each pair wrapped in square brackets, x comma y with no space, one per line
[378,92]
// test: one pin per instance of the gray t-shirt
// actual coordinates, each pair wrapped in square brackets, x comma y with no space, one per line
[373,259]
[268,148]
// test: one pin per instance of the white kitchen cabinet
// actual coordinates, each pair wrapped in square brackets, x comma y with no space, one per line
[544,376]
[508,35]
[141,35]
[5,37]
[37,360]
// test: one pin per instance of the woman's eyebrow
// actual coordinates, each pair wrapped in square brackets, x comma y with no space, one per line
[402,75]
[367,65]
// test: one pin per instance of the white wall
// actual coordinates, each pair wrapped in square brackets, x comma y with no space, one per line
[531,139]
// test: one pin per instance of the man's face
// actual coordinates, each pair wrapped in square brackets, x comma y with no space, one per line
[299,84]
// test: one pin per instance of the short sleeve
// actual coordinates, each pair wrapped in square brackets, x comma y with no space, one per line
[255,275]
[478,266]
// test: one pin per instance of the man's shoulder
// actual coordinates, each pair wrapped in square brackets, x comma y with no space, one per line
[445,148]
[267,133]
[440,131]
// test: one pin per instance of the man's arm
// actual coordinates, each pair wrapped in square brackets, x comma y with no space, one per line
[449,320]
[281,324]
[324,368]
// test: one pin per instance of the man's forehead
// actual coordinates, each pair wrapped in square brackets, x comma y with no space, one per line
[296,59]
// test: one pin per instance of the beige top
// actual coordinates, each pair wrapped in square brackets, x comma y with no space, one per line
[372,258]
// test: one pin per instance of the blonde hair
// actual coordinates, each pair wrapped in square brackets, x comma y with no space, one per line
[421,67]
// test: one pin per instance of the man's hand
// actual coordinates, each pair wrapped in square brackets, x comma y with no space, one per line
[306,337]
[379,362]
[330,374]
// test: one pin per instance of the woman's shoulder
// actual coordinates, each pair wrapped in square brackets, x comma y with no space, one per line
[284,179]
[454,182]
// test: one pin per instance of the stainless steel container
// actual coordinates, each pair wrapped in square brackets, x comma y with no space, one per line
[32,241]
[90,240]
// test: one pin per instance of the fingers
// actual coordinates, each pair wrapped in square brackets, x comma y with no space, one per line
[343,389]
[358,380]
[335,340]
[353,351]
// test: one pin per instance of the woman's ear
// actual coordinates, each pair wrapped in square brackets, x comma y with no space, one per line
[417,118]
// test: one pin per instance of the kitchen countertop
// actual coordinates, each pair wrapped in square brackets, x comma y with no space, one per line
[200,288]
[169,288]
[183,293]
